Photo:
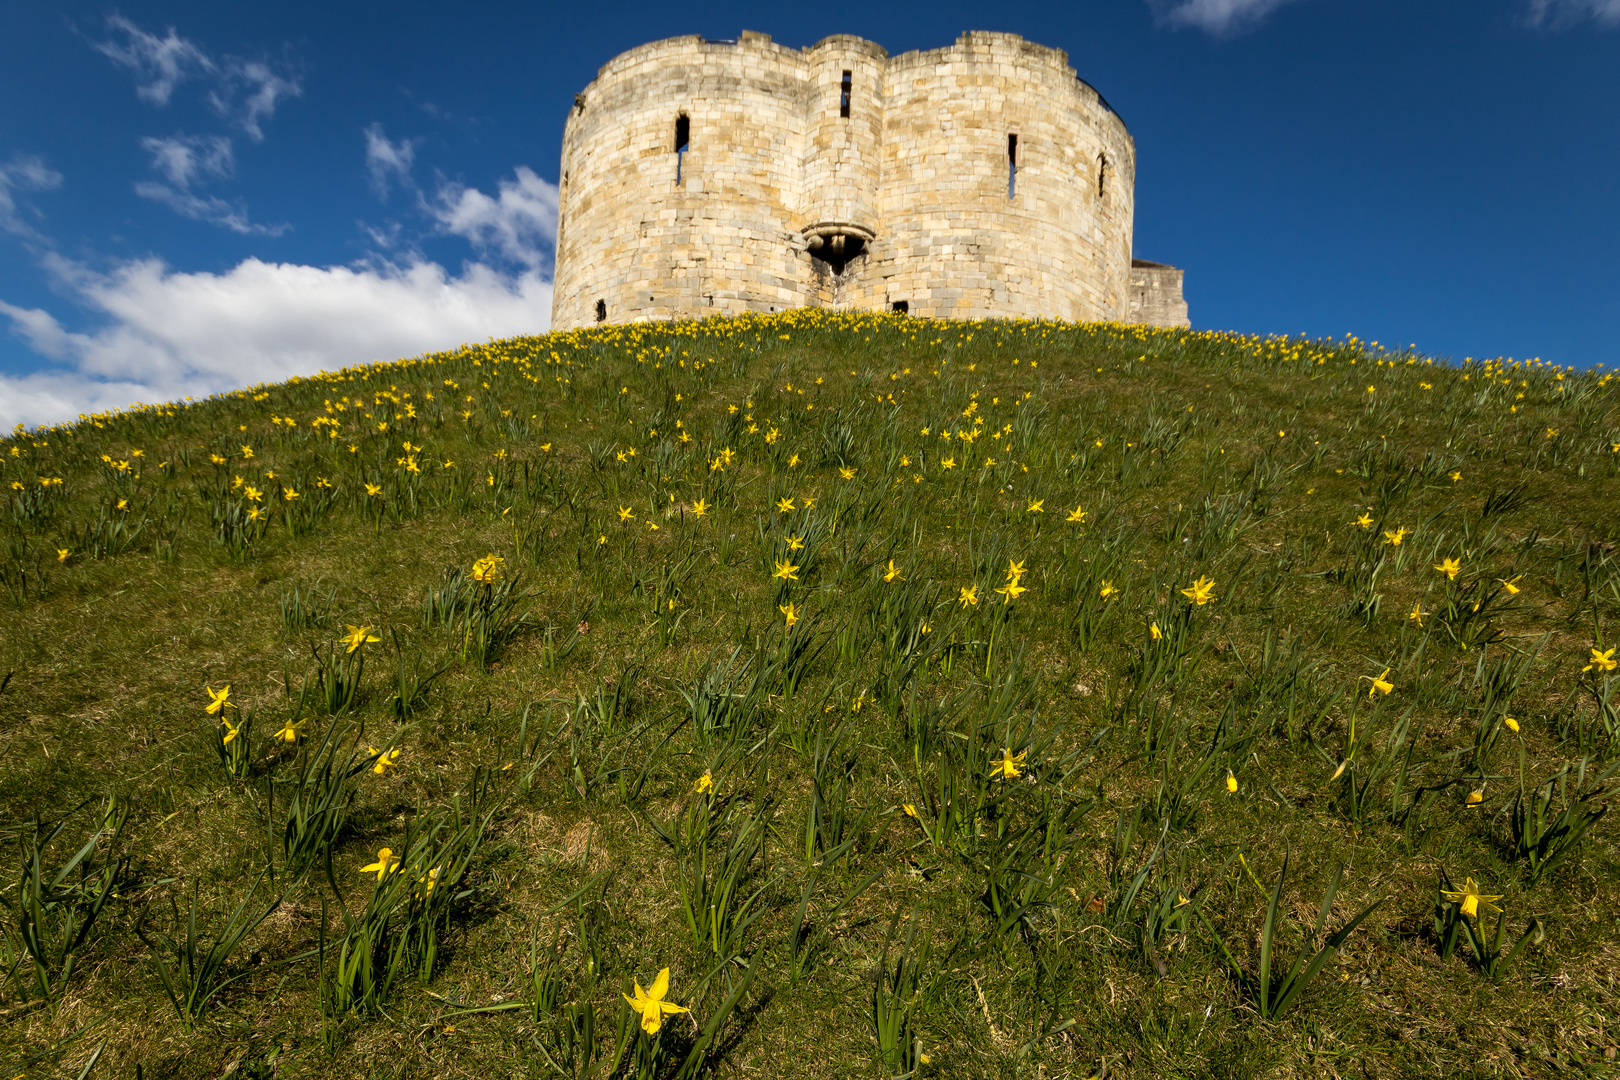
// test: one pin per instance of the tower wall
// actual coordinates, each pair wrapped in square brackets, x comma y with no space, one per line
[782,201]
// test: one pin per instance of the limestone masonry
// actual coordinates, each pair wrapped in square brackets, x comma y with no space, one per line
[983,180]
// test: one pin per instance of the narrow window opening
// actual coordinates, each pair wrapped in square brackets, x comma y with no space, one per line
[1012,165]
[683,140]
[1102,175]
[601,311]
[843,96]
[901,306]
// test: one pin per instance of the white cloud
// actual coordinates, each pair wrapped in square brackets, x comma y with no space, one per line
[1566,12]
[160,64]
[189,161]
[520,224]
[1218,17]
[388,161]
[171,334]
[244,91]
[186,158]
[261,89]
[24,172]
[210,209]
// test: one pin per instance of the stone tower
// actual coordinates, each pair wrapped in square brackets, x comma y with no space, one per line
[983,180]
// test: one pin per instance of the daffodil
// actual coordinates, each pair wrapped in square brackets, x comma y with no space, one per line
[1416,614]
[700,508]
[1036,506]
[1365,520]
[1012,590]
[488,570]
[385,761]
[1474,798]
[1107,590]
[1231,782]
[387,863]
[794,543]
[231,731]
[219,702]
[846,473]
[1010,767]
[790,612]
[784,505]
[1511,724]
[969,595]
[1510,585]
[373,490]
[1393,539]
[1076,515]
[625,514]
[1603,661]
[1468,899]
[704,784]
[358,637]
[63,554]
[291,731]
[1154,632]
[1201,591]
[910,809]
[1380,683]
[1448,567]
[786,571]
[651,1005]
[892,573]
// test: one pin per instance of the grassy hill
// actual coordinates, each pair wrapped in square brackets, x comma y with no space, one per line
[960,700]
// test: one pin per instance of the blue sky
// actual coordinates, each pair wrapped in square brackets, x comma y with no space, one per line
[199,196]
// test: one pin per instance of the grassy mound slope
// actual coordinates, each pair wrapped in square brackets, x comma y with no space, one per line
[995,699]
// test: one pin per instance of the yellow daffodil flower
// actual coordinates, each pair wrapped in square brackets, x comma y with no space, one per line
[794,543]
[1036,506]
[704,784]
[358,637]
[786,571]
[1468,899]
[63,554]
[1448,567]
[385,761]
[1603,661]
[1474,798]
[1077,515]
[892,573]
[1365,520]
[1012,590]
[1510,585]
[290,732]
[1393,539]
[790,612]
[651,1005]
[219,702]
[969,596]
[700,508]
[1511,724]
[231,731]
[1107,590]
[625,514]
[488,570]
[387,863]
[1201,592]
[373,490]
[1231,782]
[1010,767]
[1154,632]
[1416,614]
[1380,683]
[948,463]
[847,474]
[784,505]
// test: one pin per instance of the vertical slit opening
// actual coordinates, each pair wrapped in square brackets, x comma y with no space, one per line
[1012,165]
[601,311]
[1102,175]
[683,140]
[843,96]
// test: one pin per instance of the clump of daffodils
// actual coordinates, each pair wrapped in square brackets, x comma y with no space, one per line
[489,570]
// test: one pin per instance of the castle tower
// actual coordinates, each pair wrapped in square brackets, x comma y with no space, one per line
[983,180]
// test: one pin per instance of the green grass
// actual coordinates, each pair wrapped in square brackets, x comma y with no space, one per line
[969,840]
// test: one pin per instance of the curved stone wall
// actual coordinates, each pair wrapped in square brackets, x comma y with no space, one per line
[979,180]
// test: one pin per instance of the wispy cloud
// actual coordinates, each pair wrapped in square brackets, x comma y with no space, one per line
[187,162]
[388,162]
[160,63]
[169,335]
[245,92]
[188,158]
[1218,17]
[1568,12]
[24,172]
[519,224]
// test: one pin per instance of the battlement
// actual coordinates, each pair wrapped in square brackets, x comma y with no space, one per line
[983,179]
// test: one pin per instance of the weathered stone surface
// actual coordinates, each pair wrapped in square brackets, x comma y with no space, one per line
[781,200]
